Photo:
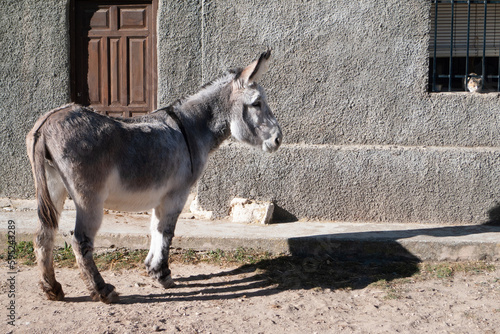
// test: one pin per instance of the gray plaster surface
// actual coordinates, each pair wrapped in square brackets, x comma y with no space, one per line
[359,182]
[364,140]
[34,78]
[414,241]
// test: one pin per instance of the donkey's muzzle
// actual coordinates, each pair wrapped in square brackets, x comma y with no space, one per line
[273,143]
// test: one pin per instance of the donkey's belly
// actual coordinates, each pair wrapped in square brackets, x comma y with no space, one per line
[133,201]
[122,198]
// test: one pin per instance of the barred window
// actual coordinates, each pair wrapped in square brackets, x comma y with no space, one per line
[464,45]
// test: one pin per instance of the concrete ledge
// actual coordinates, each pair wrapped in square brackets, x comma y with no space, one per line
[410,241]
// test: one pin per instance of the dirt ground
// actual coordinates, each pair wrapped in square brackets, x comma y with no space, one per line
[274,298]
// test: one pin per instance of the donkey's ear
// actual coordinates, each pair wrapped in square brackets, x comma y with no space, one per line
[255,70]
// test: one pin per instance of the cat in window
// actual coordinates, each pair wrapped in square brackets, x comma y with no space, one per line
[474,83]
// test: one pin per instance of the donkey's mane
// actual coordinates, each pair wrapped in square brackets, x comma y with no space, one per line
[202,93]
[234,72]
[208,87]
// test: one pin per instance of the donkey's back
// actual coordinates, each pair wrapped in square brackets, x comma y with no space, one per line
[128,164]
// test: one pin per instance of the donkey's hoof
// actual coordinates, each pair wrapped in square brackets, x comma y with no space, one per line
[167,282]
[107,295]
[52,292]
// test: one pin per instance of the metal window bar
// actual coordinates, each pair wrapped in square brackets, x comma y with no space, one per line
[450,74]
[434,63]
[468,45]
[484,42]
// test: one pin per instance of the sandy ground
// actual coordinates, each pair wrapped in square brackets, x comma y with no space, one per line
[214,299]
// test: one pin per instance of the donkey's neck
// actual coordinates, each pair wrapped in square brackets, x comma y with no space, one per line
[206,115]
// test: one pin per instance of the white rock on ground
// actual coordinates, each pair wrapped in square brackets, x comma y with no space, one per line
[248,211]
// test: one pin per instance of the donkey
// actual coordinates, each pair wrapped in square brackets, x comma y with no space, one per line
[136,164]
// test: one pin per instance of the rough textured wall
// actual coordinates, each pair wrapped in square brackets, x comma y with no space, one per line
[364,141]
[342,70]
[34,78]
[179,49]
[35,71]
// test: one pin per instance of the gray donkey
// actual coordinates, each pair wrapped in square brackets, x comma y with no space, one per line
[136,164]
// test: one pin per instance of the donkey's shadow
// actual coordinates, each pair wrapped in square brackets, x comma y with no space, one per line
[335,266]
[269,277]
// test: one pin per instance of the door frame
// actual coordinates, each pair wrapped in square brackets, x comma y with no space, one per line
[154,38]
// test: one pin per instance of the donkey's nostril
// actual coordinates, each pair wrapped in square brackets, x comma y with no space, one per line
[277,141]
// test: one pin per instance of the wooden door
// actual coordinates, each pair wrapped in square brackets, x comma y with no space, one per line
[114,56]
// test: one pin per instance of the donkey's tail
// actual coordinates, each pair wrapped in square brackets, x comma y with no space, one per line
[37,152]
[47,212]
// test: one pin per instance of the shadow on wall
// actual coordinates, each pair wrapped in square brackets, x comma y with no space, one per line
[281,215]
[494,215]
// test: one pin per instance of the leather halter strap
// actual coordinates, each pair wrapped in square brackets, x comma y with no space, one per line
[170,112]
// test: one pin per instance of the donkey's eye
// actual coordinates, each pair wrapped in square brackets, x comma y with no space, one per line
[256,104]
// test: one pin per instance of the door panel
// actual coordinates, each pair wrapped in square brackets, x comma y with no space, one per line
[114,71]
[133,18]
[94,71]
[114,65]
[137,70]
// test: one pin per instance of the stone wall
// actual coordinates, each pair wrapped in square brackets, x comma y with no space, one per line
[34,78]
[363,138]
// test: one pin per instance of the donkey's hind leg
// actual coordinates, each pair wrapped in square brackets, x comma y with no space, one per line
[44,238]
[88,221]
[44,243]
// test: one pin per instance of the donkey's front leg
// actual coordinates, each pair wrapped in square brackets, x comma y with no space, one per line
[87,224]
[162,231]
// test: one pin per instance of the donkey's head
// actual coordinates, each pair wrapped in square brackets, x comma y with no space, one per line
[252,121]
